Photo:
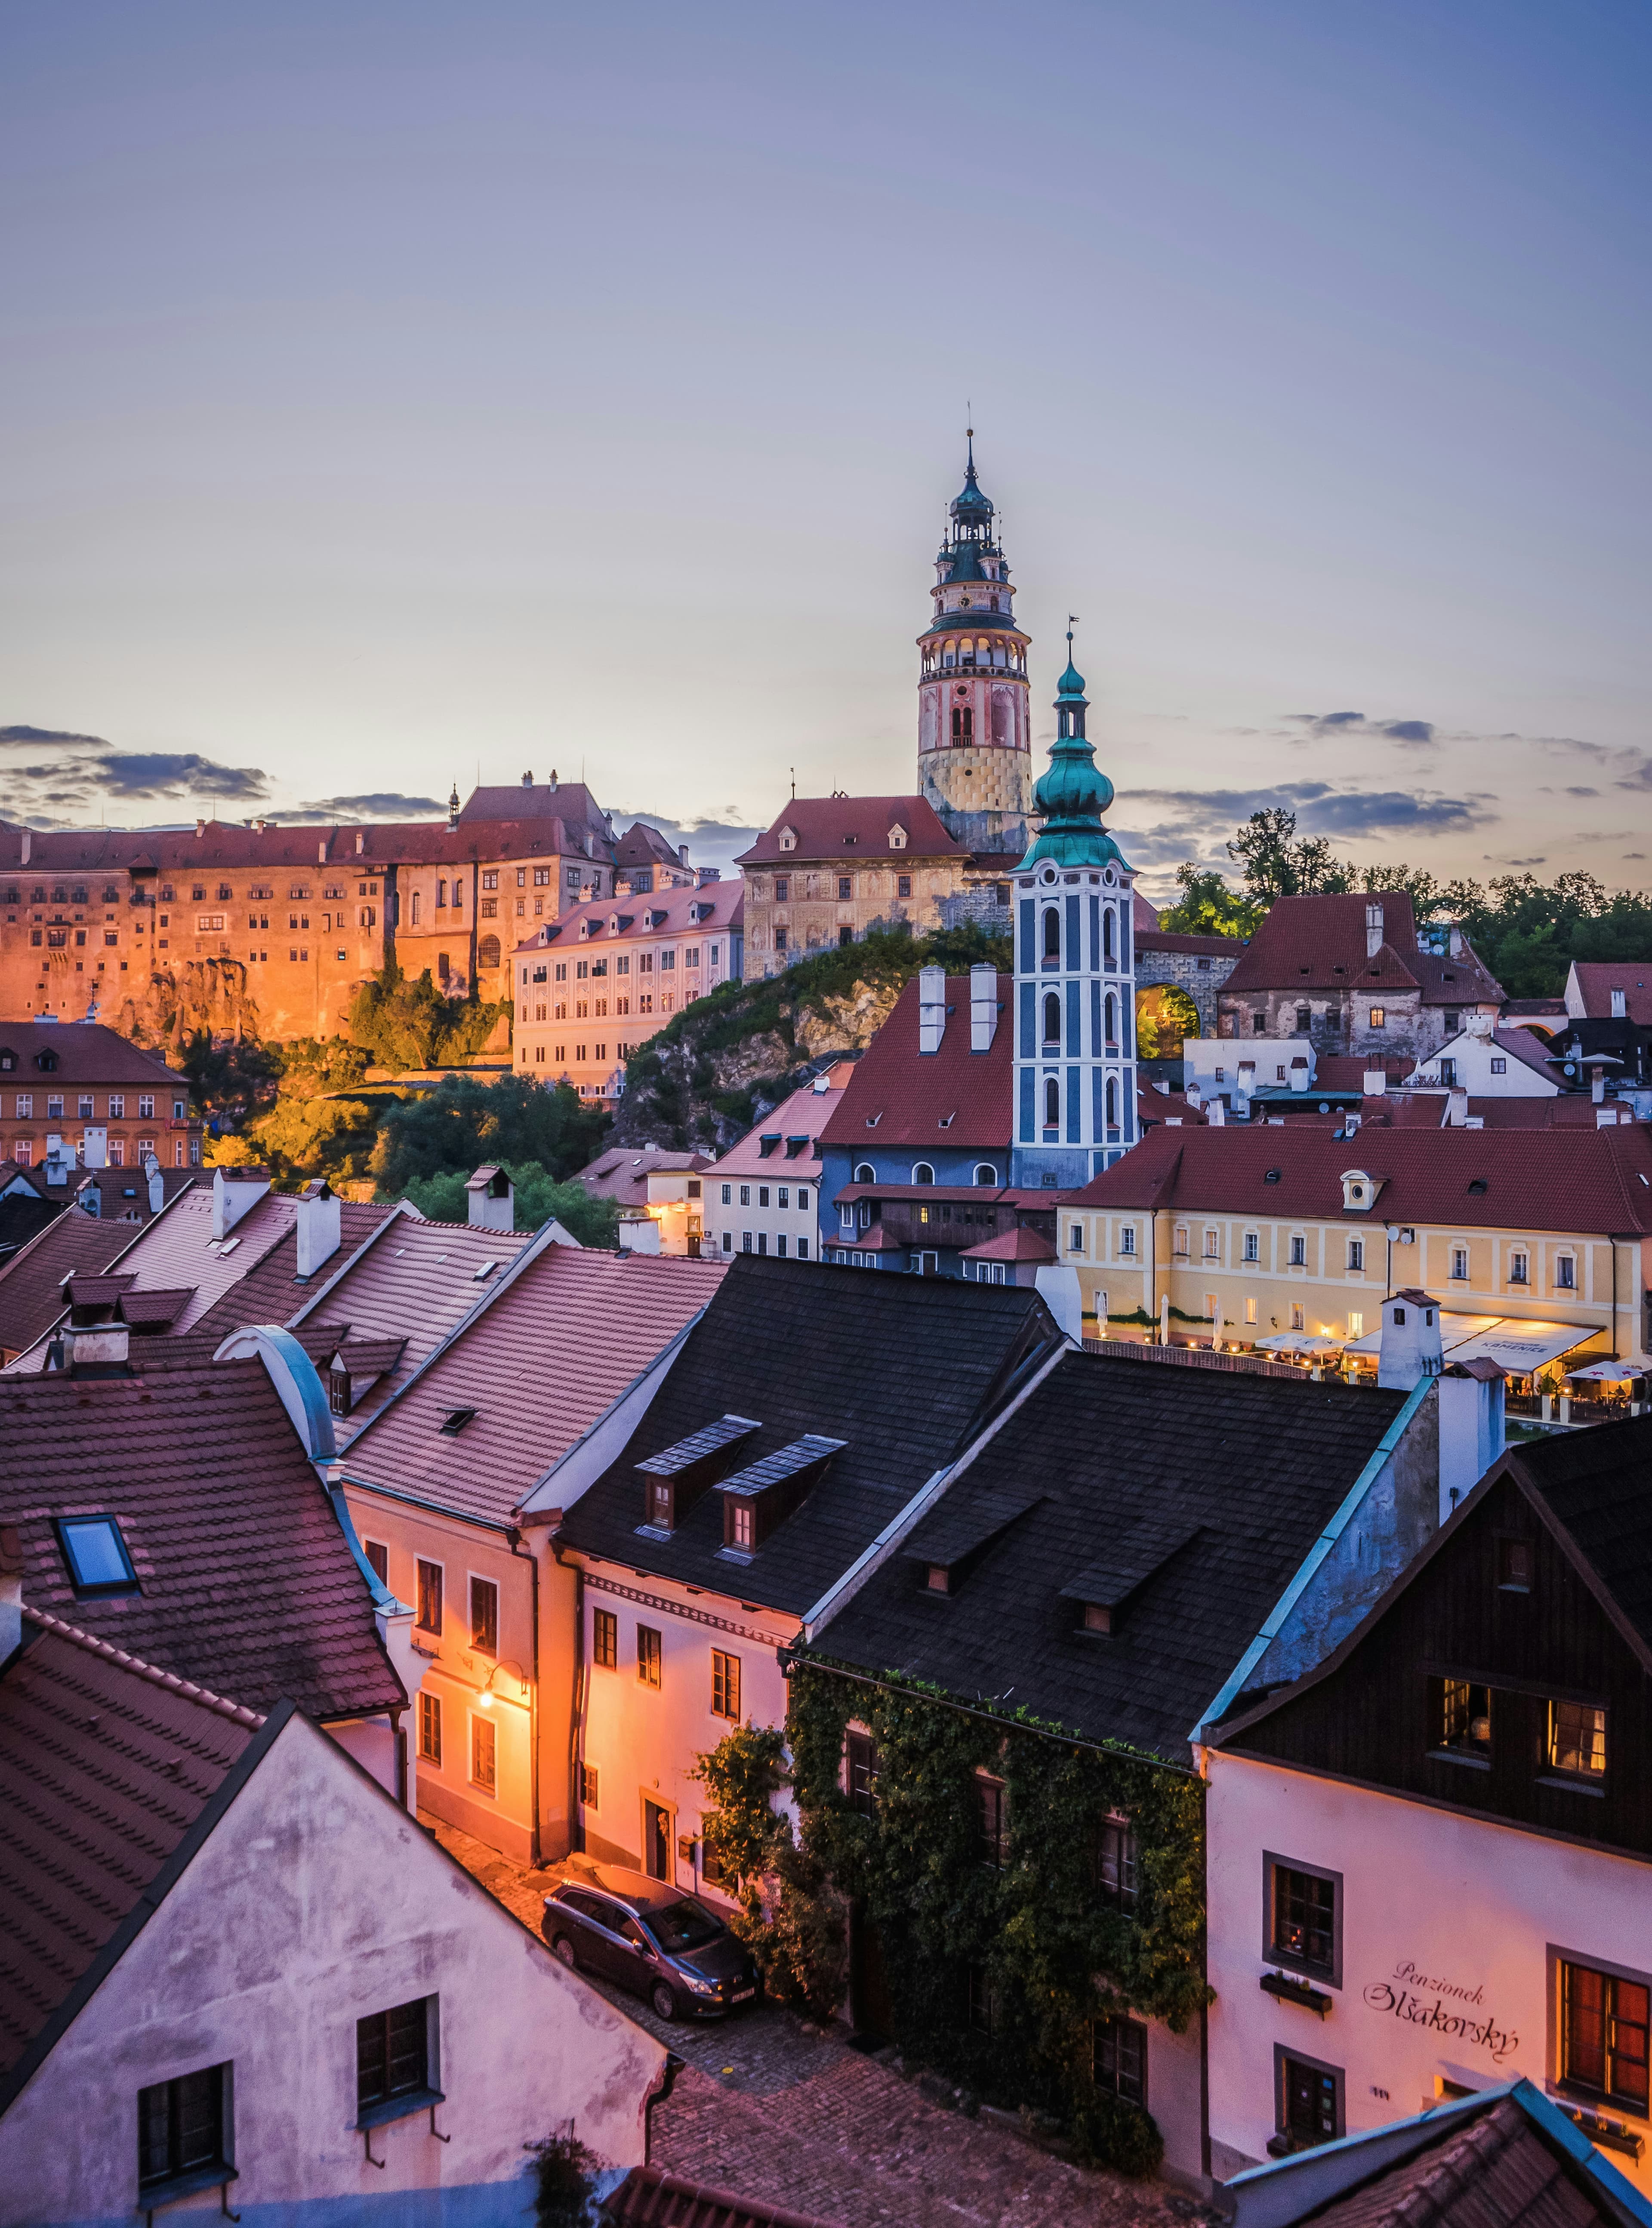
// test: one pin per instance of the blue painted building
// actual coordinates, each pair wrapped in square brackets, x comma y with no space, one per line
[1074,1057]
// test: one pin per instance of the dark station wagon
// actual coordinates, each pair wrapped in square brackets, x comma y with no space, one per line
[652,1939]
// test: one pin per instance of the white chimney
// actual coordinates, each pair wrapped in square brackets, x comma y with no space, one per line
[1372,929]
[232,1197]
[94,1149]
[319,1224]
[1410,1348]
[1375,1082]
[1216,1114]
[1620,1006]
[1454,937]
[1299,1075]
[932,1007]
[59,1161]
[156,1183]
[360,842]
[1471,1428]
[983,1007]
[1456,1107]
[1598,1088]
[29,844]
[490,1201]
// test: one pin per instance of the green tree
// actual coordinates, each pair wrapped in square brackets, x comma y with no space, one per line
[539,1197]
[411,1024]
[464,1123]
[1209,907]
[1425,890]
[1278,864]
[1164,1016]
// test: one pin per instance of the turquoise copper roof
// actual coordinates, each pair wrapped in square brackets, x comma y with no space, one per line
[1071,797]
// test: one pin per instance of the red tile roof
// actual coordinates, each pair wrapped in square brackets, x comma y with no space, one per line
[623,1173]
[1598,978]
[1022,1245]
[1318,944]
[268,1291]
[803,1114]
[718,906]
[248,1584]
[570,801]
[853,828]
[1595,1181]
[314,846]
[898,1096]
[31,1282]
[105,1766]
[650,2198]
[88,1053]
[556,1345]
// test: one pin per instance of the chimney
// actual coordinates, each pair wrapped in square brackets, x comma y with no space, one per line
[156,1182]
[983,1007]
[321,852]
[360,842]
[1217,1114]
[233,1193]
[1471,1427]
[88,1198]
[1410,1348]
[319,1224]
[528,781]
[932,1007]
[1375,1082]
[58,1162]
[29,844]
[200,830]
[1454,939]
[11,1589]
[682,852]
[490,1201]
[94,1149]
[553,781]
[1598,1088]
[1620,1006]
[1456,1107]
[1372,929]
[1299,1074]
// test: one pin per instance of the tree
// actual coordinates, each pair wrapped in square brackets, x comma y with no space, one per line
[1424,889]
[1207,906]
[1164,1016]
[407,1024]
[1278,864]
[464,1123]
[538,1198]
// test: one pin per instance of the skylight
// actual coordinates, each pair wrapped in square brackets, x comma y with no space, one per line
[454,1420]
[96,1555]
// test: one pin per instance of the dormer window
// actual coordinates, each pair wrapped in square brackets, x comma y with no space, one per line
[96,1555]
[897,839]
[678,1475]
[761,1497]
[454,1420]
[338,1387]
[788,839]
[1359,1191]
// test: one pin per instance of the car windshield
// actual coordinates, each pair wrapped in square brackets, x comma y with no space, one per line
[684,1926]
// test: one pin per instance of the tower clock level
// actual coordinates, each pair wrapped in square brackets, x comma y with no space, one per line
[974,735]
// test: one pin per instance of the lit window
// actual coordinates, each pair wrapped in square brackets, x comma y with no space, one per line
[604,1639]
[1301,1927]
[1356,1323]
[1465,1717]
[485,1754]
[1249,1311]
[649,1648]
[1577,1738]
[430,1727]
[96,1555]
[725,1685]
[1379,1018]
[1604,2034]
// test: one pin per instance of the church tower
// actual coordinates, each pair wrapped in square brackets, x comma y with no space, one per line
[974,733]
[1075,970]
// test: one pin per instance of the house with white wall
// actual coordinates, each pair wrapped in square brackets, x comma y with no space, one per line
[763,1195]
[236,1978]
[1488,1062]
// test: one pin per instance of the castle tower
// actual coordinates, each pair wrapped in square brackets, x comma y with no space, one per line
[1075,970]
[973,732]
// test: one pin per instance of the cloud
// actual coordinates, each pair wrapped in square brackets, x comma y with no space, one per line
[1417,733]
[83,770]
[372,805]
[1583,792]
[1640,778]
[713,840]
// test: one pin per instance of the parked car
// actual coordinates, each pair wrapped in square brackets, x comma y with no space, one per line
[652,1939]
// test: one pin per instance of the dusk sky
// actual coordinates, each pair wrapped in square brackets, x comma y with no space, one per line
[392,391]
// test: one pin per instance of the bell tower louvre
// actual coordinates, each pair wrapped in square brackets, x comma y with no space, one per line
[974,730]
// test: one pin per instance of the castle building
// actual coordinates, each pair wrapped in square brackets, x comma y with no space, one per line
[1074,1096]
[974,729]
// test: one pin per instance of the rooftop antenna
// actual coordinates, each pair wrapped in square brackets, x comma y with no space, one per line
[794,785]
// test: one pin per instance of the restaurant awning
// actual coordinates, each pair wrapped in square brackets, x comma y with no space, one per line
[1298,1342]
[1454,1329]
[1519,1347]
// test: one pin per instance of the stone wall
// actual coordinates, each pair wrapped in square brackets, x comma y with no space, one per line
[1200,975]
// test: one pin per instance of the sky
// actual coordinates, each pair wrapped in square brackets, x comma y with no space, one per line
[394,393]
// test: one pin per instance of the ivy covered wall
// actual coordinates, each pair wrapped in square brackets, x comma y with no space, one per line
[996,1970]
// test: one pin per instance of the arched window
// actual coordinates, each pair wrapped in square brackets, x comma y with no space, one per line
[948,654]
[866,1173]
[1052,1103]
[1052,1019]
[922,1174]
[985,1173]
[1112,1018]
[1107,937]
[487,953]
[966,653]
[1051,932]
[1112,1102]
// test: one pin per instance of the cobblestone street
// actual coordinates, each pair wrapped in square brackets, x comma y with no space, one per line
[766,2107]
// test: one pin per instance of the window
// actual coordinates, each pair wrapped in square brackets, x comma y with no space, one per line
[1052,1020]
[1356,1253]
[1250,1310]
[744,1516]
[1519,1267]
[96,1555]
[430,1596]
[1253,1246]
[1052,1103]
[377,1557]
[484,1616]
[1115,1868]
[903,885]
[1379,1018]
[1577,1738]
[922,1173]
[728,1194]
[1465,1717]
[1297,1321]
[430,1727]
[992,1796]
[1499,1067]
[392,2058]
[1127,1241]
[1356,1322]
[860,1771]
[1119,2063]
[1212,1244]
[1298,1252]
[485,1754]
[1565,1273]
[845,888]
[1604,2034]
[1309,2102]
[1075,1237]
[1304,1918]
[1515,1565]
[604,1639]
[588,1787]
[649,1650]
[182,2130]
[1460,1263]
[146,1106]
[338,1390]
[725,1686]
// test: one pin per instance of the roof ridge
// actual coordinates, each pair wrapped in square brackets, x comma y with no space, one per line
[203,1696]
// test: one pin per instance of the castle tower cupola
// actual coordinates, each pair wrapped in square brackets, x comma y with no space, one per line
[1075,969]
[974,737]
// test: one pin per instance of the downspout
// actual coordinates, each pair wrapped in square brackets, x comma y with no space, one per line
[576,1716]
[514,1537]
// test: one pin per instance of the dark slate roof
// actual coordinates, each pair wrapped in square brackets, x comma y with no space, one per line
[905,1369]
[1242,1473]
[23,1215]
[248,1584]
[31,1282]
[1598,1486]
[1496,2172]
[105,1768]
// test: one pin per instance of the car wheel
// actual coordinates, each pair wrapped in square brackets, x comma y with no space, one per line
[664,2000]
[563,1950]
